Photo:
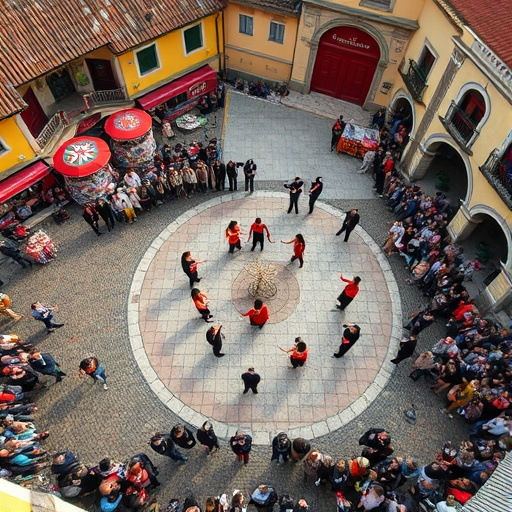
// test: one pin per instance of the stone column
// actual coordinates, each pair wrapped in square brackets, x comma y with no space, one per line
[462,224]
[419,163]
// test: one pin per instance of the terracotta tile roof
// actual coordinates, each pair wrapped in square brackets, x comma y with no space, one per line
[283,6]
[39,36]
[492,21]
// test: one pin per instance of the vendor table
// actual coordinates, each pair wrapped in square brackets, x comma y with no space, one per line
[357,140]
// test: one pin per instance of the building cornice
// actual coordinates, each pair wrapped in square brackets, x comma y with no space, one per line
[394,21]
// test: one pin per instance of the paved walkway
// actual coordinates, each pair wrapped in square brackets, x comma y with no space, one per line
[308,402]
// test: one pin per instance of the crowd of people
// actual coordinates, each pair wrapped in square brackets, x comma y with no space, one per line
[471,363]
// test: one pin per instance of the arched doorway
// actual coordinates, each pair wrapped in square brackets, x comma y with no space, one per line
[345,64]
[446,173]
[402,109]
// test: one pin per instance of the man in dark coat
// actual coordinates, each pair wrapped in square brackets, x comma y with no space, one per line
[15,254]
[251,381]
[350,336]
[105,211]
[350,222]
[214,338]
[91,216]
[165,446]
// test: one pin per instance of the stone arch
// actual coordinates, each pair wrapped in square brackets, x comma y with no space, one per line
[480,210]
[402,94]
[349,22]
[433,142]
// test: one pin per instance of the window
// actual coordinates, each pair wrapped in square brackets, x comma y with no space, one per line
[193,37]
[276,32]
[245,25]
[426,61]
[4,148]
[147,59]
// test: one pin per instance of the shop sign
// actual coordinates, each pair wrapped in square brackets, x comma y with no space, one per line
[197,89]
[351,41]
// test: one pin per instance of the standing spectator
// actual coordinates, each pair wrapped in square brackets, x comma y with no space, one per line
[337,131]
[257,229]
[45,363]
[281,448]
[5,308]
[350,336]
[189,266]
[379,119]
[314,193]
[233,236]
[241,445]
[249,172]
[299,246]
[201,303]
[207,437]
[183,437]
[251,381]
[122,203]
[105,212]
[219,170]
[15,254]
[350,222]
[232,172]
[132,179]
[92,367]
[295,189]
[165,446]
[368,158]
[214,338]
[378,445]
[44,314]
[298,353]
[91,216]
[406,350]
[258,315]
[349,293]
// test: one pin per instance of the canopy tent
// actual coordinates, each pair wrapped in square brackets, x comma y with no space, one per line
[22,180]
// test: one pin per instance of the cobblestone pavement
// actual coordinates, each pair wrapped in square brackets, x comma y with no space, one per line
[91,280]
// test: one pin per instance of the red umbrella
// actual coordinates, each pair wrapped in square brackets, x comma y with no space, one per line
[128,124]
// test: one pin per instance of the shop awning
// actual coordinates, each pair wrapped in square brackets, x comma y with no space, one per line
[81,156]
[198,82]
[22,180]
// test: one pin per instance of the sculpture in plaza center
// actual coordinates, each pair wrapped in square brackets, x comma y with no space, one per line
[263,283]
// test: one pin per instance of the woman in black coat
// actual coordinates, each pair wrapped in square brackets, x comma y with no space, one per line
[183,437]
[207,437]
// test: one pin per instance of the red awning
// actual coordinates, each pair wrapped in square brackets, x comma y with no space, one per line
[128,124]
[81,156]
[22,180]
[195,84]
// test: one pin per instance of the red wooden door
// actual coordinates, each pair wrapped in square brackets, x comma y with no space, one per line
[33,116]
[345,64]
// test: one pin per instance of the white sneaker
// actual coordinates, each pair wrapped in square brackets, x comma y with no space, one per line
[105,387]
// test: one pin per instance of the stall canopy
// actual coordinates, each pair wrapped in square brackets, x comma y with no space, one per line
[22,180]
[81,156]
[128,124]
[194,84]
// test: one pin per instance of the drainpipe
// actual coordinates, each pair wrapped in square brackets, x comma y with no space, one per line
[223,60]
[298,8]
[217,40]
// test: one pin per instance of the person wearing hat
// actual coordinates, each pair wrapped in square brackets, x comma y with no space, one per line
[251,381]
[298,353]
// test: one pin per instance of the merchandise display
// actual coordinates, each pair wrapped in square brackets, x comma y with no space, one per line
[190,122]
[357,140]
[133,144]
[41,247]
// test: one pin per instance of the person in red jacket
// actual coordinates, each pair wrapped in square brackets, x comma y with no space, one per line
[349,293]
[298,353]
[299,246]
[257,229]
[201,303]
[258,315]
[233,235]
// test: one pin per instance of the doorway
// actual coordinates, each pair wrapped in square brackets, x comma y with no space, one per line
[101,74]
[34,116]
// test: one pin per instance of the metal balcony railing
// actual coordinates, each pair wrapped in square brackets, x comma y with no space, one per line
[53,127]
[97,98]
[495,173]
[461,127]
[415,80]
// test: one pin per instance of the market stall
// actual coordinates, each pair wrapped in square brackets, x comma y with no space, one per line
[133,144]
[357,140]
[84,163]
[190,122]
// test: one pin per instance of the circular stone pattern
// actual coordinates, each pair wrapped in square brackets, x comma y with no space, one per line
[168,335]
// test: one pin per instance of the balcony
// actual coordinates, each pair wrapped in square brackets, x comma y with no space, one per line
[495,173]
[415,80]
[74,109]
[460,127]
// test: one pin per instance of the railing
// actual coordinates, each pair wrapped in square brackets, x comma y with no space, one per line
[96,98]
[461,127]
[55,125]
[415,80]
[495,173]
